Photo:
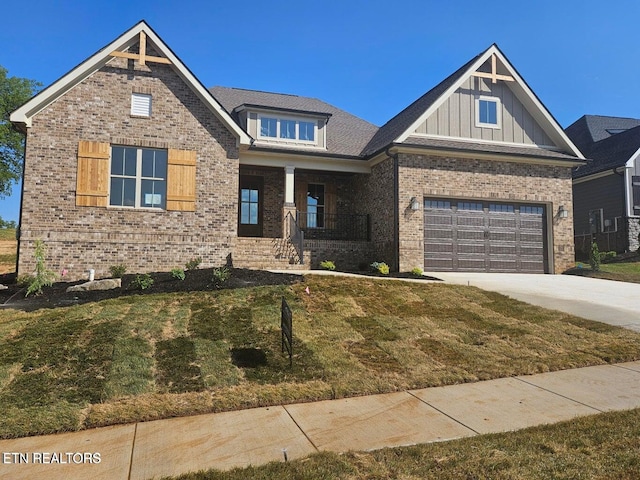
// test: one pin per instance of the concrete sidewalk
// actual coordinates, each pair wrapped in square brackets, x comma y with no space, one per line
[257,436]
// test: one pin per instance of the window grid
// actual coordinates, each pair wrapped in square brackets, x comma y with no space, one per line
[287,129]
[138,177]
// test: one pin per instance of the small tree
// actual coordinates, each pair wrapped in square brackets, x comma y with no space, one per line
[43,276]
[594,257]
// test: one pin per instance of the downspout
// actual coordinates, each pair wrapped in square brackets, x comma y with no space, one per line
[18,230]
[396,206]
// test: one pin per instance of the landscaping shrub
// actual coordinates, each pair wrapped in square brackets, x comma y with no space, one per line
[380,267]
[220,275]
[328,265]
[193,264]
[417,272]
[142,282]
[607,256]
[178,273]
[43,276]
[117,271]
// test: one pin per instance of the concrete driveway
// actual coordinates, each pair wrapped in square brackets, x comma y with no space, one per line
[615,303]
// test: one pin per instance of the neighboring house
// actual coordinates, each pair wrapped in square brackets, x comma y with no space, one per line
[130,160]
[606,190]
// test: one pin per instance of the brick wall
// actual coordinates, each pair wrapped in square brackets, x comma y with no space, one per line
[347,255]
[98,109]
[374,193]
[425,175]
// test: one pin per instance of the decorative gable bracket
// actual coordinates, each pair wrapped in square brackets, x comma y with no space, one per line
[494,76]
[141,57]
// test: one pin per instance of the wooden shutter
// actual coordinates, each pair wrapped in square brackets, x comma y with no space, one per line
[181,180]
[92,183]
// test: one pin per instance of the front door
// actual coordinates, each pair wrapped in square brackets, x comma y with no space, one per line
[250,206]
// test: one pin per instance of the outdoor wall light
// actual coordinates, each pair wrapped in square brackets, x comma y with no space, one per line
[414,204]
[563,212]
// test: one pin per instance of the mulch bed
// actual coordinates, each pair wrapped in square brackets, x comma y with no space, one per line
[163,282]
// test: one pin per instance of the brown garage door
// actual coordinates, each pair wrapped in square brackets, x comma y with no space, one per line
[464,235]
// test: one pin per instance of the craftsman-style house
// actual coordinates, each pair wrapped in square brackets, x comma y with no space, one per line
[607,190]
[131,160]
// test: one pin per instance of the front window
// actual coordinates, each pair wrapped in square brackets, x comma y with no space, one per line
[249,206]
[138,177]
[289,129]
[315,206]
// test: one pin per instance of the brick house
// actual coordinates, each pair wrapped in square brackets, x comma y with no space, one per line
[130,160]
[606,191]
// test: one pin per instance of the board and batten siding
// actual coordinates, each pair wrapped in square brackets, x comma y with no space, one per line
[456,117]
[606,193]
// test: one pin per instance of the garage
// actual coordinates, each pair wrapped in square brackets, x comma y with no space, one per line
[484,236]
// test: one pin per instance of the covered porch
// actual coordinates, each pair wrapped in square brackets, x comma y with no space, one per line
[302,213]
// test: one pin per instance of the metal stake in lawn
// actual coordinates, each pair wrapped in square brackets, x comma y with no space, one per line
[286,324]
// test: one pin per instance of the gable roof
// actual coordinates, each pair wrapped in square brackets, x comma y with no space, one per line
[400,127]
[612,152]
[589,129]
[22,117]
[346,134]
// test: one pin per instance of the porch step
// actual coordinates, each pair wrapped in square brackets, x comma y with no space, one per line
[267,254]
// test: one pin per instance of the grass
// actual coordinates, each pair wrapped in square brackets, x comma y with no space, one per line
[8,250]
[603,446]
[155,356]
[619,271]
[7,233]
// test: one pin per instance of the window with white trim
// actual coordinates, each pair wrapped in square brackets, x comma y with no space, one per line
[138,177]
[287,129]
[488,112]
[140,105]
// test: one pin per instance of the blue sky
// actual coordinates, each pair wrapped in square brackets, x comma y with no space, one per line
[369,57]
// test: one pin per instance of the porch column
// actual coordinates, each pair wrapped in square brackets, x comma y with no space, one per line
[289,199]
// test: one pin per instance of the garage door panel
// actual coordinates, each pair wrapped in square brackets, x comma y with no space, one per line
[439,264]
[437,233]
[495,238]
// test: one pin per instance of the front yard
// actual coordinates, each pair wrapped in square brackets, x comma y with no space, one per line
[621,271]
[154,356]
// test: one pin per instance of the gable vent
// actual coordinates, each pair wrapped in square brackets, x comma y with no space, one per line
[141,105]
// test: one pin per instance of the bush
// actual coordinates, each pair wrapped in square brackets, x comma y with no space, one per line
[607,256]
[380,267]
[117,271]
[328,265]
[142,282]
[416,272]
[193,264]
[43,276]
[24,280]
[178,273]
[220,275]
[594,257]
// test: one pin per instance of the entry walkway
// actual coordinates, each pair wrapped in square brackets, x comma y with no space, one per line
[252,437]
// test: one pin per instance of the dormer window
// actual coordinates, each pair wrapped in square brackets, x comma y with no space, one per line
[287,129]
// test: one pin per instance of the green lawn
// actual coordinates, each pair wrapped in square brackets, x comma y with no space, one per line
[603,447]
[619,271]
[155,356]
